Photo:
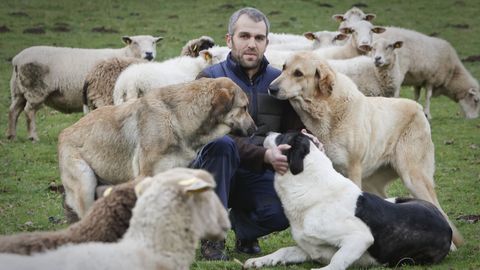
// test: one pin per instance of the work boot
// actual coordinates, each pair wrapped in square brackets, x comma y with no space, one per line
[213,250]
[247,246]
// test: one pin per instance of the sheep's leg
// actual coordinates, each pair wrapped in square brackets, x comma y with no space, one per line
[416,92]
[428,96]
[282,256]
[30,112]
[18,103]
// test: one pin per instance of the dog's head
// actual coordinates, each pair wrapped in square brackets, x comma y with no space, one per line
[229,107]
[305,76]
[300,148]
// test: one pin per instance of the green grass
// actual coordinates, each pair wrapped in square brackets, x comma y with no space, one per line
[27,169]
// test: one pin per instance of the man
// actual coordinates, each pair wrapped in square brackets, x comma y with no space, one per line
[242,167]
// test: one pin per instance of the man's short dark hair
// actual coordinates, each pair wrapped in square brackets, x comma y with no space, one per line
[253,13]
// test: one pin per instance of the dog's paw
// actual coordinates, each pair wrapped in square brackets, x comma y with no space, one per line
[261,262]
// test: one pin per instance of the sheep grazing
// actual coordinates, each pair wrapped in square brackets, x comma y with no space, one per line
[352,15]
[174,210]
[378,75]
[106,221]
[194,46]
[138,79]
[100,81]
[55,76]
[309,40]
[433,63]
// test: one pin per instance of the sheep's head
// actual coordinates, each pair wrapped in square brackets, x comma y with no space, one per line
[352,15]
[362,34]
[322,39]
[144,47]
[470,103]
[383,51]
[195,188]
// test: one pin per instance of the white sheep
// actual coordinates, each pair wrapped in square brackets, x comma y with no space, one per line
[55,76]
[359,43]
[138,79]
[433,63]
[174,210]
[375,75]
[352,15]
[309,40]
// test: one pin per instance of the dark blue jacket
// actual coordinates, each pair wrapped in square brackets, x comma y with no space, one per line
[269,114]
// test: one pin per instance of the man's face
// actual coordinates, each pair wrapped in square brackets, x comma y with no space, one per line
[248,42]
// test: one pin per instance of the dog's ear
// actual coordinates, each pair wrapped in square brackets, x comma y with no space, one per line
[325,78]
[222,101]
[300,147]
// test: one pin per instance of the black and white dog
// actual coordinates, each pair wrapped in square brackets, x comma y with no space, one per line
[337,224]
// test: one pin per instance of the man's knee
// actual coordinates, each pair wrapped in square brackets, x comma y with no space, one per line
[223,146]
[273,218]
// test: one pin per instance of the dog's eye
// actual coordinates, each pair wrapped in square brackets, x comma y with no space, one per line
[297,73]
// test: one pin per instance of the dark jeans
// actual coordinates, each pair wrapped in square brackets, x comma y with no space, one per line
[256,209]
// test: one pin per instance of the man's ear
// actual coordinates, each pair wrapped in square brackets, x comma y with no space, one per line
[325,77]
[228,40]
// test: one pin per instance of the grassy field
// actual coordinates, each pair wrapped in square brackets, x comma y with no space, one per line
[27,169]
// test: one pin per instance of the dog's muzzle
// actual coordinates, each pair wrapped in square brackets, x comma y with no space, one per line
[273,90]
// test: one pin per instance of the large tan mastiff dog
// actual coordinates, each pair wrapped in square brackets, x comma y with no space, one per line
[162,130]
[370,140]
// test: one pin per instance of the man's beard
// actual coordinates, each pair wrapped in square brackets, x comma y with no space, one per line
[247,64]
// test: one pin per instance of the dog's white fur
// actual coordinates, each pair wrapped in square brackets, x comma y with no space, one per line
[370,140]
[320,205]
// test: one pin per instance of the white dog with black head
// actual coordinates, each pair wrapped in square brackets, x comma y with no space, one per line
[335,223]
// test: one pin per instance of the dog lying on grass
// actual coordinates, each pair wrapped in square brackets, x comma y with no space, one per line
[335,223]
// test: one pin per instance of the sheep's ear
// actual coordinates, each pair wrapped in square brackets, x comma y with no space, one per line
[309,35]
[325,78]
[346,30]
[338,18]
[195,185]
[157,39]
[340,36]
[127,40]
[397,44]
[378,29]
[143,185]
[369,17]
[206,55]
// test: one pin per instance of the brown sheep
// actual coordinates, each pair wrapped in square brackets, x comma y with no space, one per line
[107,221]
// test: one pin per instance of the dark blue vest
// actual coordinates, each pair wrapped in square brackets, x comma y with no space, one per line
[265,110]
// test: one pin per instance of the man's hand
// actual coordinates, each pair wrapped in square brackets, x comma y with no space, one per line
[275,157]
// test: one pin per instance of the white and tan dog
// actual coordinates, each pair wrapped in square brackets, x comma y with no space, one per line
[337,224]
[370,140]
[162,130]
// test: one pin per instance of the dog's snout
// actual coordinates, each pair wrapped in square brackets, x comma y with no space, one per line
[251,130]
[273,90]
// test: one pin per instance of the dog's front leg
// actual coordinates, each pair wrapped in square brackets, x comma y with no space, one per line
[282,256]
[355,172]
[352,249]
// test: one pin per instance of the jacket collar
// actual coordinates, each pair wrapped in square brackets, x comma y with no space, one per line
[240,72]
